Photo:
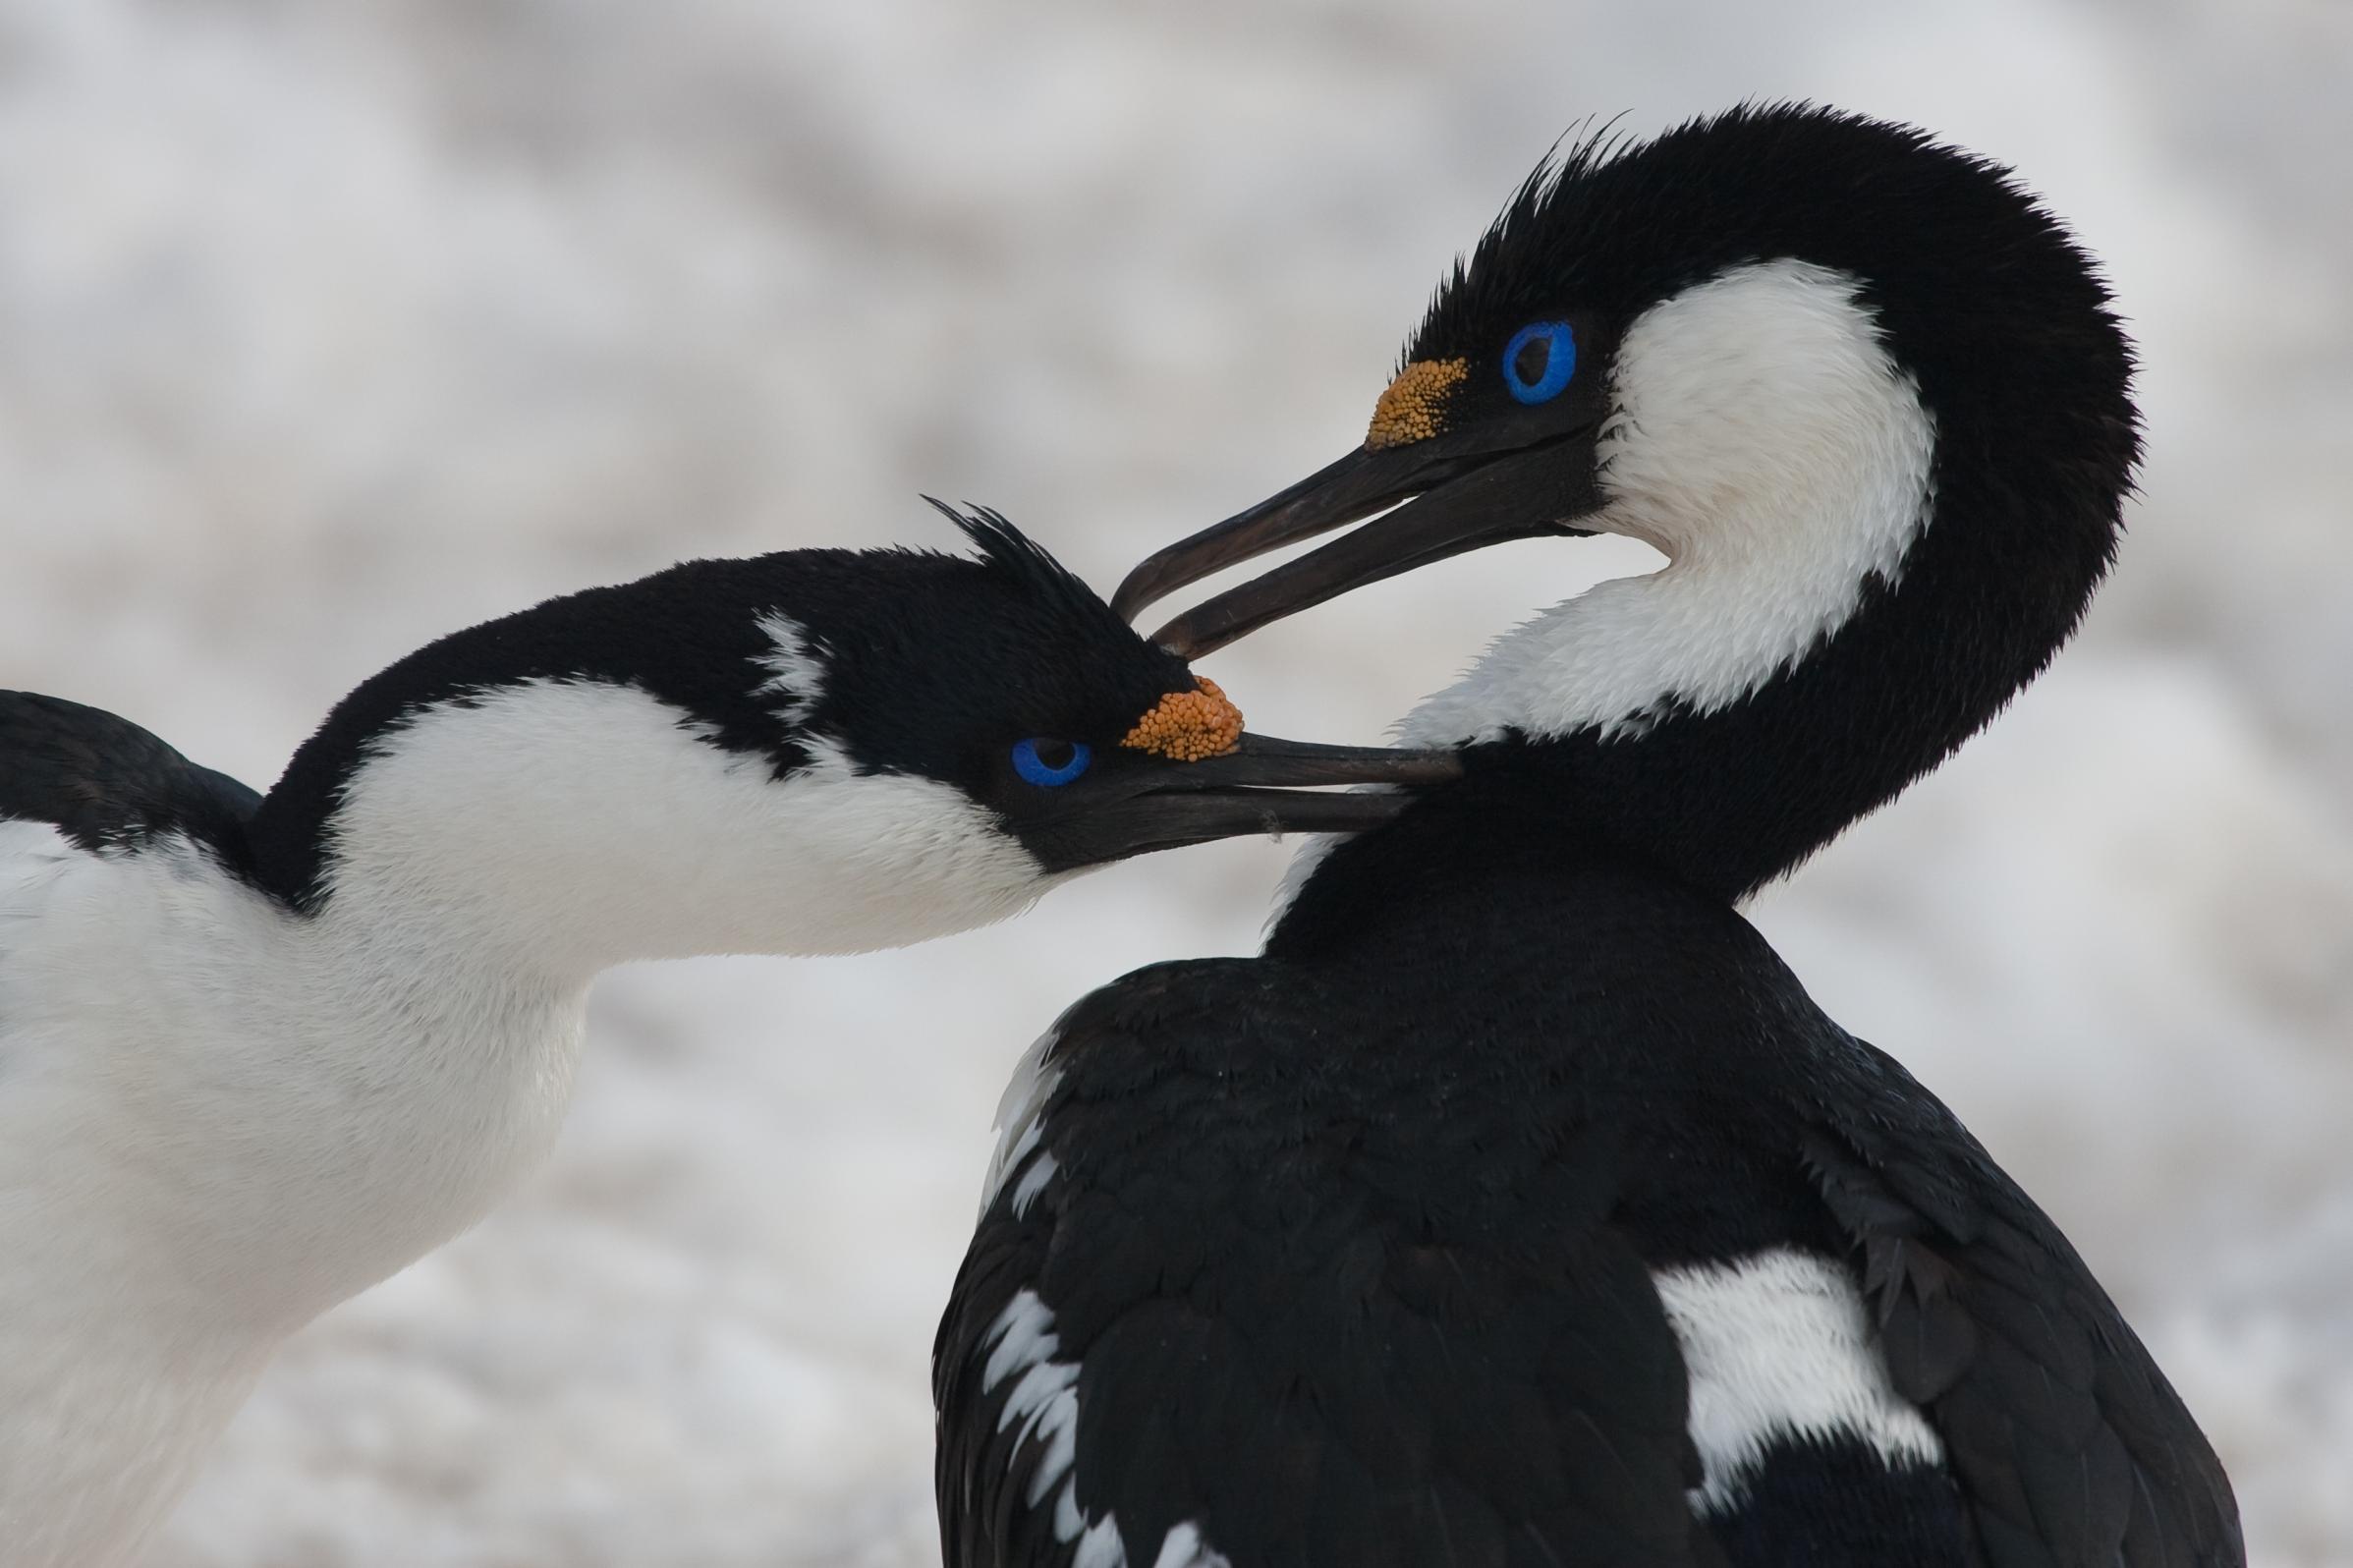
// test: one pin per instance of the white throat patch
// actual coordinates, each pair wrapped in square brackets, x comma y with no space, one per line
[577,824]
[1765,442]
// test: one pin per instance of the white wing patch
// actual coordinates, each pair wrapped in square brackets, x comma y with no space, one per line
[1766,443]
[1044,1400]
[1021,1127]
[1778,1347]
[1041,1170]
[1021,1346]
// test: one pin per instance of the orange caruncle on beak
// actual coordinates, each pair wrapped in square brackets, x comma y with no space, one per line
[1189,726]
[1414,408]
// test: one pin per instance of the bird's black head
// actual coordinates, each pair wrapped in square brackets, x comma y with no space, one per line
[916,737]
[1859,388]
[1007,678]
[1500,417]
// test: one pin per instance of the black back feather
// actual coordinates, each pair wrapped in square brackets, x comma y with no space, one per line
[106,783]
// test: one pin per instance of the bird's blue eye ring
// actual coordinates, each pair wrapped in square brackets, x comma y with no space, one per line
[1538,360]
[1030,760]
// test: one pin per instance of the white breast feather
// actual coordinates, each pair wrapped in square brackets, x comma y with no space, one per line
[219,1116]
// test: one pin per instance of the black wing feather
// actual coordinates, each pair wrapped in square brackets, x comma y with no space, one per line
[1329,1314]
[105,782]
[1279,1348]
[980,1463]
[2070,1448]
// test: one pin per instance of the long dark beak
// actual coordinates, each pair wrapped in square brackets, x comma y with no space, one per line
[1468,499]
[1263,786]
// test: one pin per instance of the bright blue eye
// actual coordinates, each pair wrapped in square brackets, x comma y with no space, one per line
[1538,360]
[1047,762]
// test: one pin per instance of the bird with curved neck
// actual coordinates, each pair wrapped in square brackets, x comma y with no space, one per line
[258,1052]
[1517,1205]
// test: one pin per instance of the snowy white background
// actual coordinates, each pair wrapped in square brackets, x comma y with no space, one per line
[324,329]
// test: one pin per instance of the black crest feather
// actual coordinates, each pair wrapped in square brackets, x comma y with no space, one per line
[1023,562]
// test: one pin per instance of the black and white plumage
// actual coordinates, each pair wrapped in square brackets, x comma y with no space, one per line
[257,1052]
[1517,1205]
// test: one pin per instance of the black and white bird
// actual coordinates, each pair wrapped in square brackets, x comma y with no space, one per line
[1517,1207]
[258,1052]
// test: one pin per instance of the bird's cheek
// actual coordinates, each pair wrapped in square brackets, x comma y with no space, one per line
[889,860]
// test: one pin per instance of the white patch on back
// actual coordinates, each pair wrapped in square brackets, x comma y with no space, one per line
[1778,1347]
[1766,443]
[1044,1400]
[796,670]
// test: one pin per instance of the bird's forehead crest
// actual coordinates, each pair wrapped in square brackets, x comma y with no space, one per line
[1414,408]
[1189,726]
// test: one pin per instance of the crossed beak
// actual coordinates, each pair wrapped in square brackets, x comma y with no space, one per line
[1447,483]
[1467,485]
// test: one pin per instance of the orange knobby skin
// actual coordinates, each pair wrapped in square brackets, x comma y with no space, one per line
[1187,726]
[1414,408]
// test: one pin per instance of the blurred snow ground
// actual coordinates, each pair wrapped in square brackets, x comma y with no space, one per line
[324,329]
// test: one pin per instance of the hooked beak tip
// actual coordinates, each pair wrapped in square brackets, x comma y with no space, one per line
[1337,493]
[1139,588]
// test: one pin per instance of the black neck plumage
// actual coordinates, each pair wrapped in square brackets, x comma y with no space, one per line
[1724,802]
